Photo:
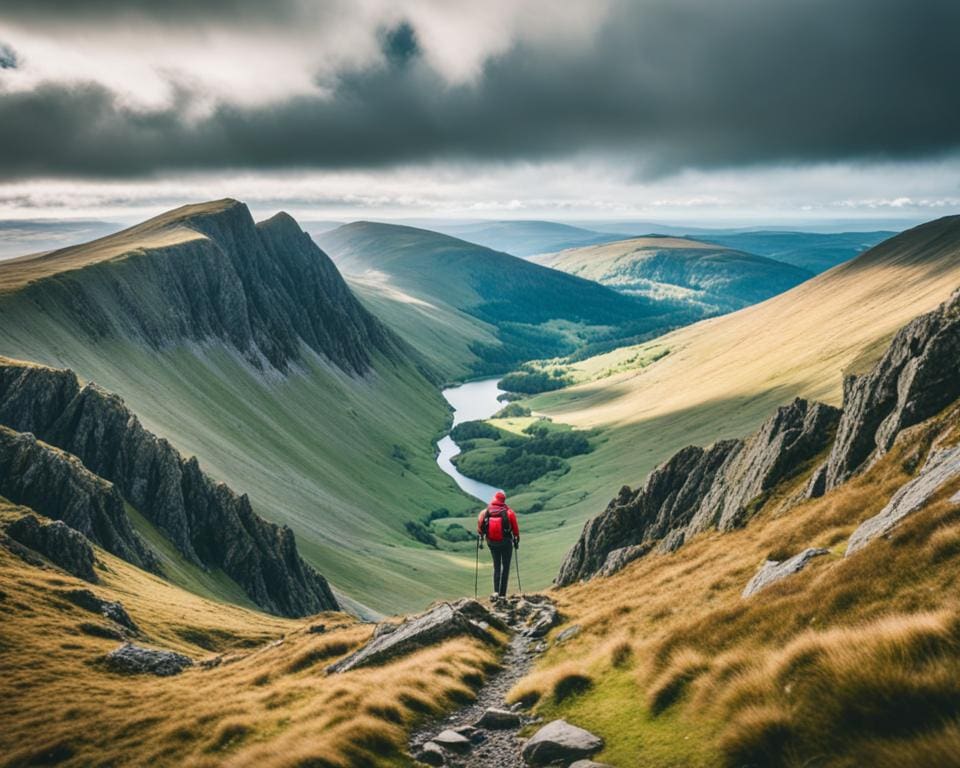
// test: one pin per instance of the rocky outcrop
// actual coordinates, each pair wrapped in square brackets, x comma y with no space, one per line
[130,659]
[560,742]
[208,522]
[58,543]
[58,486]
[109,609]
[700,489]
[773,571]
[265,290]
[916,378]
[443,621]
[941,466]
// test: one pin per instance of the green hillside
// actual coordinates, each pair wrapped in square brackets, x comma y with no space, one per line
[711,278]
[319,414]
[534,311]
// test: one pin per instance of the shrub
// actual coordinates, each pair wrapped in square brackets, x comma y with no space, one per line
[420,532]
[533,382]
[456,532]
[512,411]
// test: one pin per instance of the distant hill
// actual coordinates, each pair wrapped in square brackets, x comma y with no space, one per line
[534,311]
[814,251]
[525,238]
[713,278]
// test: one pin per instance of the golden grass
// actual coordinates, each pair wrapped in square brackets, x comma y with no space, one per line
[853,656]
[267,702]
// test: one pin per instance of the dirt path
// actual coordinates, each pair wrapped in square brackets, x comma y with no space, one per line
[528,620]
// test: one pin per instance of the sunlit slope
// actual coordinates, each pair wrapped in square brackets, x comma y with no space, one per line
[344,458]
[711,277]
[723,376]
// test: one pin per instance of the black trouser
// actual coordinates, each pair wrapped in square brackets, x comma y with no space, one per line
[502,552]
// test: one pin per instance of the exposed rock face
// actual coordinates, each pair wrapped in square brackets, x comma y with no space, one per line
[57,485]
[942,466]
[700,489]
[443,621]
[559,741]
[917,377]
[57,542]
[206,521]
[773,571]
[130,659]
[264,289]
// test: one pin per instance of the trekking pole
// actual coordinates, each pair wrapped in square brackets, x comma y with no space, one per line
[516,555]
[476,572]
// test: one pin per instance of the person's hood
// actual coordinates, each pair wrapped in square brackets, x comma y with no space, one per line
[499,498]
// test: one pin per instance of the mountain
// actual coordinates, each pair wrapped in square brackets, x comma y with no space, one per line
[524,238]
[240,344]
[713,279]
[814,251]
[532,311]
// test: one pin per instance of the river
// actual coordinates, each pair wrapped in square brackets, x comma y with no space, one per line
[471,401]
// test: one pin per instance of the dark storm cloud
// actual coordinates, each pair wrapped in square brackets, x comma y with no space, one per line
[668,83]
[8,57]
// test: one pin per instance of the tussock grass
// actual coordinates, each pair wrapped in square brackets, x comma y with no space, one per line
[266,702]
[852,657]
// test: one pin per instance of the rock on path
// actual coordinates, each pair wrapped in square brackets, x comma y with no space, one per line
[488,724]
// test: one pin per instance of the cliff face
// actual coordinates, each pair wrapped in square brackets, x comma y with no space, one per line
[264,289]
[700,489]
[58,486]
[206,521]
[917,377]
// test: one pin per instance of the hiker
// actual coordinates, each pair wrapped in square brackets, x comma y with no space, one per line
[498,525]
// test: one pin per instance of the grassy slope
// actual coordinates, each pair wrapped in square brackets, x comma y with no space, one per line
[723,377]
[268,703]
[855,661]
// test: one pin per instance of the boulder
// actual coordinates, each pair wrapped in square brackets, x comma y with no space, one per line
[942,466]
[58,542]
[432,754]
[498,719]
[567,634]
[441,622]
[620,558]
[559,741]
[133,659]
[453,741]
[589,764]
[541,621]
[915,379]
[773,571]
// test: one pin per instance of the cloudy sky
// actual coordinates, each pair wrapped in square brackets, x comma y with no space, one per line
[699,111]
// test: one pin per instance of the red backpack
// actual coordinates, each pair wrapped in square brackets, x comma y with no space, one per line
[496,525]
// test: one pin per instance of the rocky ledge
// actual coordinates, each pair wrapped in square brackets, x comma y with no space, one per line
[917,377]
[104,456]
[700,489]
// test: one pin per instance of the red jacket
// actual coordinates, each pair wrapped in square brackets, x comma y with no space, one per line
[494,531]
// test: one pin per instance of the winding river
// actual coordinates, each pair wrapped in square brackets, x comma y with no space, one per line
[471,401]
